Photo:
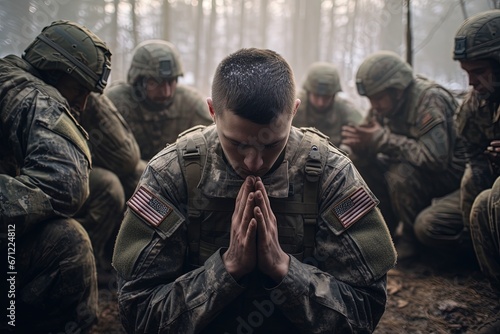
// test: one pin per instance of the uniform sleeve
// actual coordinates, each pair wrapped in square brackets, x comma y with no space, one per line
[341,289]
[51,152]
[112,143]
[432,147]
[156,295]
[478,174]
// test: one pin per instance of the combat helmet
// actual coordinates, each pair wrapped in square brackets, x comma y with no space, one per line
[382,70]
[479,37]
[155,59]
[73,49]
[322,79]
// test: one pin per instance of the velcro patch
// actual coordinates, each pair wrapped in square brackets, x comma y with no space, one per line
[353,207]
[149,207]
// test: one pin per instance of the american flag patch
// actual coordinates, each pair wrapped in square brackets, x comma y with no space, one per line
[350,209]
[148,206]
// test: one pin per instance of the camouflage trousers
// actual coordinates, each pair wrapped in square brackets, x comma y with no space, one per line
[404,190]
[102,213]
[441,225]
[485,231]
[55,284]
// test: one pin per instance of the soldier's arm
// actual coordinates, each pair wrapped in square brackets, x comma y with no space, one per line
[434,143]
[54,164]
[112,143]
[342,288]
[157,292]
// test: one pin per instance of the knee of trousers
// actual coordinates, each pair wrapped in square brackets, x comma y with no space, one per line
[60,250]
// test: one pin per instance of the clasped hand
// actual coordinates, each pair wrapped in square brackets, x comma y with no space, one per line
[359,137]
[254,235]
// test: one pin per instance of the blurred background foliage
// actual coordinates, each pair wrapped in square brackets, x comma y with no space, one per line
[303,31]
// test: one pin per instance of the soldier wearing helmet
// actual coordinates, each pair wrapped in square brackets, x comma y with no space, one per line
[475,205]
[321,105]
[155,106]
[407,148]
[44,165]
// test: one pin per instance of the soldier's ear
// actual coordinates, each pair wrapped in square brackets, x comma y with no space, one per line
[211,108]
[296,107]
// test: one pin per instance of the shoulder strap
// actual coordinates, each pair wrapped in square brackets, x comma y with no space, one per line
[192,150]
[316,144]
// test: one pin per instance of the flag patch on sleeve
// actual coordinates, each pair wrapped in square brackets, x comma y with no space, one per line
[353,207]
[149,207]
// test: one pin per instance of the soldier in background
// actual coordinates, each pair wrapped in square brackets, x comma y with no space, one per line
[154,105]
[116,169]
[251,224]
[322,106]
[476,206]
[407,149]
[44,165]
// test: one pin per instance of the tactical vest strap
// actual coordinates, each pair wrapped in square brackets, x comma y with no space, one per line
[318,148]
[193,149]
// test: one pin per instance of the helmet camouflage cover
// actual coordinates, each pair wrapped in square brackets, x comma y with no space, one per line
[155,59]
[322,79]
[73,49]
[382,70]
[479,37]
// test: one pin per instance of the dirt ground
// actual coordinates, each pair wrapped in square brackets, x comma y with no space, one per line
[429,295]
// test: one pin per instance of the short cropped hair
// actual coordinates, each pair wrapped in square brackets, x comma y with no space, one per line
[255,84]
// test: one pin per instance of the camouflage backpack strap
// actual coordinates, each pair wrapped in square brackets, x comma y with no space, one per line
[192,150]
[316,144]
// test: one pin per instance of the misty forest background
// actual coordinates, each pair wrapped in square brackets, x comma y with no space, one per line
[303,31]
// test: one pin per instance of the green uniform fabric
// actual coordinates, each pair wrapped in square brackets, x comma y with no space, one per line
[44,170]
[329,121]
[154,129]
[479,123]
[418,156]
[485,231]
[341,289]
[115,159]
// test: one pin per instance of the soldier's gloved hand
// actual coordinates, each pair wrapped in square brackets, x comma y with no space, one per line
[271,259]
[493,154]
[241,256]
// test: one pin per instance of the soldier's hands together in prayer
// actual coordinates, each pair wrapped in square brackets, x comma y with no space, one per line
[254,235]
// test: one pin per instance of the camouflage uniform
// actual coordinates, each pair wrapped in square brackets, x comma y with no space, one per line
[479,123]
[330,121]
[44,175]
[44,164]
[115,157]
[417,152]
[160,292]
[323,80]
[154,126]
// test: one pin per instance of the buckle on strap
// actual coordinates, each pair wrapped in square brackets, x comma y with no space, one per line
[313,165]
[192,151]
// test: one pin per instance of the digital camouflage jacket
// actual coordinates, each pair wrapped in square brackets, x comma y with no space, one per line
[340,288]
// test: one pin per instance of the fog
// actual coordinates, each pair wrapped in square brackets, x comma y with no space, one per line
[303,31]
